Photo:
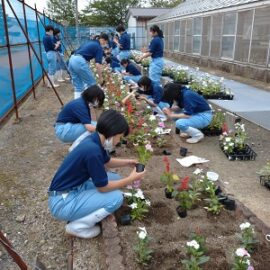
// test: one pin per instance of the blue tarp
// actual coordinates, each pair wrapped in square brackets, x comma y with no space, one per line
[19,51]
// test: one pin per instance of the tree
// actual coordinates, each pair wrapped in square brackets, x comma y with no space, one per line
[62,11]
[107,12]
[165,3]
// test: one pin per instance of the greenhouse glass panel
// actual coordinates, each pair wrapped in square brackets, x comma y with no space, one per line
[229,21]
[182,35]
[227,46]
[216,35]
[206,30]
[260,37]
[243,35]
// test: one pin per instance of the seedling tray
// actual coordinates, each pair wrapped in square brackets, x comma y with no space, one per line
[246,154]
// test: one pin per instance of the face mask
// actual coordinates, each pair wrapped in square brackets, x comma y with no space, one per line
[95,103]
[108,144]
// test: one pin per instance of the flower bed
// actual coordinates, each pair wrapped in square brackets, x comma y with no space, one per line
[192,226]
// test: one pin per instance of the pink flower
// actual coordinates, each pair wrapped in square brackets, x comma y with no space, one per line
[161,124]
[136,184]
[149,147]
[129,187]
[250,267]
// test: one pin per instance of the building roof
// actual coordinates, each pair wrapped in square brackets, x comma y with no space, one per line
[147,12]
[189,7]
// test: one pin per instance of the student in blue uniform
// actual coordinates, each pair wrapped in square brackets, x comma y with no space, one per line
[114,48]
[75,117]
[82,191]
[79,64]
[113,62]
[132,72]
[152,93]
[50,49]
[196,112]
[123,43]
[61,73]
[155,50]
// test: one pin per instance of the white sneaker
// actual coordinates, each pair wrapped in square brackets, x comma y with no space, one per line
[59,76]
[85,233]
[184,135]
[195,139]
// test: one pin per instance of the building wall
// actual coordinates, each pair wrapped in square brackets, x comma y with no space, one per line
[236,41]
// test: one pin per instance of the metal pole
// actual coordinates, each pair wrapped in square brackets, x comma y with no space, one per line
[10,61]
[7,245]
[39,43]
[77,20]
[29,52]
[34,51]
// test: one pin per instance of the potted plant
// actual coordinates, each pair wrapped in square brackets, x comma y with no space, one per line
[185,203]
[181,76]
[144,152]
[168,178]
[264,174]
[216,125]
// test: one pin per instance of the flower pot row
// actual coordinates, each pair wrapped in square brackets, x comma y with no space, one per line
[220,95]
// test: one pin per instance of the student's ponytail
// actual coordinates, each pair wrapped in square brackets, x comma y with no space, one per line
[156,29]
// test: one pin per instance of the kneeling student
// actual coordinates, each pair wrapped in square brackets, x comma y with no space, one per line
[132,72]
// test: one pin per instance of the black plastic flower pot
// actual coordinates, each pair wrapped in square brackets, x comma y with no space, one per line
[139,167]
[125,220]
[168,194]
[229,204]
[182,213]
[222,198]
[218,190]
[183,151]
[124,141]
[177,131]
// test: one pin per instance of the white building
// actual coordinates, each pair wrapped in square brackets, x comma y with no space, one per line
[137,24]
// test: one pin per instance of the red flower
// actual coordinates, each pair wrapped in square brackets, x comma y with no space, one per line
[167,163]
[141,121]
[129,107]
[184,184]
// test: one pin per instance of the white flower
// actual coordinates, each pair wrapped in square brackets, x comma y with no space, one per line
[248,262]
[193,244]
[144,125]
[127,194]
[231,144]
[226,147]
[147,202]
[142,233]
[133,205]
[197,171]
[241,252]
[244,225]
[152,117]
[139,194]
[228,139]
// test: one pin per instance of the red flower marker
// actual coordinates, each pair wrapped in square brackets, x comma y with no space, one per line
[167,163]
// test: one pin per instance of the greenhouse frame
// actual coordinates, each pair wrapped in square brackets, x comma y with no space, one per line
[231,35]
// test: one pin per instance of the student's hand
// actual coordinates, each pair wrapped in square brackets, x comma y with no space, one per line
[131,162]
[167,112]
[134,176]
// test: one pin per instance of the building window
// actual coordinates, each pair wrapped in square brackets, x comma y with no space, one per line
[189,36]
[176,36]
[260,37]
[206,32]
[216,35]
[182,35]
[243,34]
[197,35]
[228,35]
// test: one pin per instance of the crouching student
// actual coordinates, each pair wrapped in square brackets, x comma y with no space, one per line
[75,117]
[82,191]
[132,72]
[196,112]
[152,94]
[114,63]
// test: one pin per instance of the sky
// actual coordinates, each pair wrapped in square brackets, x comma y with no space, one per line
[42,4]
